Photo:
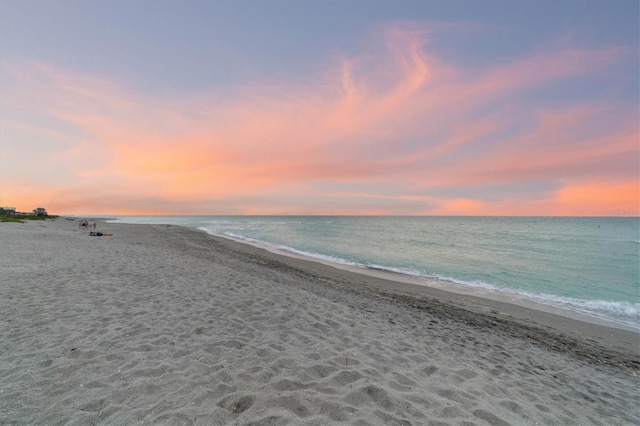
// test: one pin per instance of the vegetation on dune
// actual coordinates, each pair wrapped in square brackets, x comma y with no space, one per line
[9,215]
[10,219]
[32,217]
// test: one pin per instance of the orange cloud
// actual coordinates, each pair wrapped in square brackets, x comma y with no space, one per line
[598,199]
[396,122]
[583,199]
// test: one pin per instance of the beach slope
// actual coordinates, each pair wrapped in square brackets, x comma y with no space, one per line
[169,325]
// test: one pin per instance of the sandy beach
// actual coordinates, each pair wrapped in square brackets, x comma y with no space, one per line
[168,325]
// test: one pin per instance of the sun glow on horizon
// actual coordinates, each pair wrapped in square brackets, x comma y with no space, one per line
[395,130]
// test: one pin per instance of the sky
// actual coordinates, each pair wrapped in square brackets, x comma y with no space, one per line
[426,107]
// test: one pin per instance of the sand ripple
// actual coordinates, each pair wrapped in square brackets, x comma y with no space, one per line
[161,325]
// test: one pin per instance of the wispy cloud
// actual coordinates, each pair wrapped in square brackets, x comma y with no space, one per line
[399,122]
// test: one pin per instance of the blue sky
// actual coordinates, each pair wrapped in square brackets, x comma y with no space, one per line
[170,45]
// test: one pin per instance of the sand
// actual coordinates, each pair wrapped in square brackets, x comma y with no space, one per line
[168,325]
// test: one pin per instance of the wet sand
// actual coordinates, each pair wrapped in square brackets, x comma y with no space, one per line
[169,325]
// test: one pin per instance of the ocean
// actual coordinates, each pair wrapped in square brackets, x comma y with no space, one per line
[589,265]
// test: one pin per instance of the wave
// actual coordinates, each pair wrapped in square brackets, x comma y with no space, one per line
[624,313]
[254,241]
[619,312]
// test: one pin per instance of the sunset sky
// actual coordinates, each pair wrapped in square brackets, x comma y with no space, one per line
[320,107]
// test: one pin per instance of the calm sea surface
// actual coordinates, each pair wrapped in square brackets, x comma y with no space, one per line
[590,265]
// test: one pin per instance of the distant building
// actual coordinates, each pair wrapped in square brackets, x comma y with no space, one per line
[8,211]
[40,211]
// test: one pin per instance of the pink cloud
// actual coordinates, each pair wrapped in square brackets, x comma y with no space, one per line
[401,118]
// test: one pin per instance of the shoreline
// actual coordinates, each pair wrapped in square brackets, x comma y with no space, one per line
[162,324]
[512,304]
[586,305]
[540,325]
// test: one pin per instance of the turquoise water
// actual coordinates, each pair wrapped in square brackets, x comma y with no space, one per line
[590,265]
